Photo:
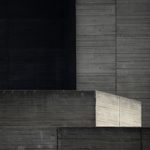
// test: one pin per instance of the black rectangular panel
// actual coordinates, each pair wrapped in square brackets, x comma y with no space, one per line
[37,41]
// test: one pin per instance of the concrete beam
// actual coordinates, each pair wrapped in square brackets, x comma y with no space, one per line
[102,139]
[67,109]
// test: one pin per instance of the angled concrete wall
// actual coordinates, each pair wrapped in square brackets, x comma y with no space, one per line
[113,110]
[29,119]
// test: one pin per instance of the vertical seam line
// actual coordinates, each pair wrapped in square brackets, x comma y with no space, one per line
[115,46]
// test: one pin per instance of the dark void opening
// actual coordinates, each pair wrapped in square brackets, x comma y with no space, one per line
[37,44]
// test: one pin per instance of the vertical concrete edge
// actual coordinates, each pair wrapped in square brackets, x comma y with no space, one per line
[95,97]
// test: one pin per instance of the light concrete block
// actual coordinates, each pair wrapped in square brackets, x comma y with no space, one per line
[107,108]
[130,112]
[113,110]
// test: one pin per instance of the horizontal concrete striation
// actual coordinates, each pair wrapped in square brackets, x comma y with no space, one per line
[113,110]
[47,108]
[146,138]
[95,44]
[22,138]
[113,42]
[130,112]
[99,138]
[107,109]
[67,109]
[133,54]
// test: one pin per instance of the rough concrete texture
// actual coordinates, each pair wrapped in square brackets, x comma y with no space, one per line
[47,108]
[30,119]
[104,138]
[67,109]
[113,110]
[28,138]
[99,138]
[31,138]
[146,138]
[130,112]
[113,48]
[95,45]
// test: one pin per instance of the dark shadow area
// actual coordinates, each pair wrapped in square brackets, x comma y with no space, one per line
[37,44]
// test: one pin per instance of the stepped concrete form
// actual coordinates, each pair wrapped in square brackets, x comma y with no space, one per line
[31,119]
[67,109]
[102,138]
[113,110]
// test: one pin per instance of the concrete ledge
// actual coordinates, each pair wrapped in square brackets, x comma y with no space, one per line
[103,139]
[67,109]
[47,138]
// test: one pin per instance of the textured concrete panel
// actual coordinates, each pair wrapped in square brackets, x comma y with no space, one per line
[113,42]
[66,109]
[113,110]
[107,109]
[133,54]
[130,112]
[31,138]
[28,119]
[95,38]
[146,138]
[99,138]
[47,108]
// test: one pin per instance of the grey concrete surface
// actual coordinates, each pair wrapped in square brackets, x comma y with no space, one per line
[67,109]
[113,48]
[22,138]
[130,112]
[95,45]
[47,108]
[146,138]
[113,110]
[30,119]
[133,52]
[99,138]
[107,109]
[28,138]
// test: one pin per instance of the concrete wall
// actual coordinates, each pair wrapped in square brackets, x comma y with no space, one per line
[95,23]
[113,43]
[47,108]
[28,119]
[112,110]
[31,138]
[101,138]
[133,57]
[67,109]
[74,138]
[146,138]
